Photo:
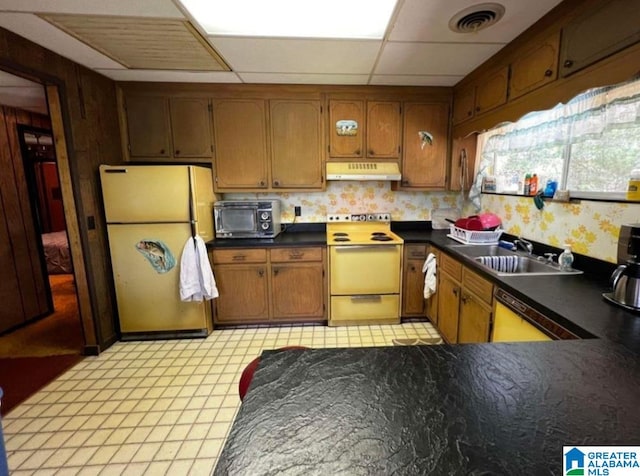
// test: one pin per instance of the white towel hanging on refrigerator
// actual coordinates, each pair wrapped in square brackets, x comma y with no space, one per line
[429,270]
[196,276]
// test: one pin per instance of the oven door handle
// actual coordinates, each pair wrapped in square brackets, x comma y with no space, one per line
[367,297]
[362,247]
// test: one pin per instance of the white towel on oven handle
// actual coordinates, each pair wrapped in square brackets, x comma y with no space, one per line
[429,270]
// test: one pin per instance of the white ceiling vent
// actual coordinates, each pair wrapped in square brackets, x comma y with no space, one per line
[476,17]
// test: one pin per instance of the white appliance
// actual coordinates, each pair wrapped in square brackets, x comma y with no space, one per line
[151,212]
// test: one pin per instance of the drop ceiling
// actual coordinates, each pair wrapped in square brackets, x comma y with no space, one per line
[124,40]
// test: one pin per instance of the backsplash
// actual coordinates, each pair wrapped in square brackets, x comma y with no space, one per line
[357,197]
[592,228]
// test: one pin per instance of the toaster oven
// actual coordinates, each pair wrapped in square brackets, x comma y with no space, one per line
[247,218]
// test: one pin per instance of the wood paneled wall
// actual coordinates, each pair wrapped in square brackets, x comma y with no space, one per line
[89,108]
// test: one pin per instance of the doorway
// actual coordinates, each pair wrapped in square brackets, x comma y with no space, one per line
[41,331]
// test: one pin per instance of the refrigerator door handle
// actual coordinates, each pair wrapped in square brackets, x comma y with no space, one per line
[115,170]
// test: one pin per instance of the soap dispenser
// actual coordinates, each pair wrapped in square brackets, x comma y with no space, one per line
[565,260]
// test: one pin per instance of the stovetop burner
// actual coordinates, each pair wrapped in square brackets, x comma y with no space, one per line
[340,233]
[341,238]
[382,237]
[378,233]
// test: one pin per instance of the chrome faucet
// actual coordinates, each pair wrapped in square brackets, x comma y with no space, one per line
[524,244]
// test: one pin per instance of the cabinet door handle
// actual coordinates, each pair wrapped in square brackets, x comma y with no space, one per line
[568,63]
[238,258]
[177,152]
[465,298]
[455,291]
[262,183]
[261,273]
[162,151]
[413,268]
[275,271]
[276,183]
[358,152]
[405,182]
[477,108]
[371,152]
[469,113]
[548,73]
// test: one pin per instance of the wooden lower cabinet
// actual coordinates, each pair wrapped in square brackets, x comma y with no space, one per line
[270,285]
[464,303]
[244,293]
[413,303]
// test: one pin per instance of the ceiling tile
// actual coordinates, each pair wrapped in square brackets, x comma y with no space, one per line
[297,55]
[41,32]
[136,8]
[170,76]
[429,21]
[414,80]
[433,58]
[301,78]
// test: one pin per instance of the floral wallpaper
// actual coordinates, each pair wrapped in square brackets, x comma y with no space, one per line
[358,197]
[592,228]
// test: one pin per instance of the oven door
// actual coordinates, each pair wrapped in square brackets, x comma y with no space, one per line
[365,269]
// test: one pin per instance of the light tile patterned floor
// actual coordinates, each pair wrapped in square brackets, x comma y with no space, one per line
[161,407]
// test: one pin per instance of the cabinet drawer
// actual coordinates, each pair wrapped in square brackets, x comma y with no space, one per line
[477,285]
[240,256]
[450,266]
[281,255]
[415,251]
[364,308]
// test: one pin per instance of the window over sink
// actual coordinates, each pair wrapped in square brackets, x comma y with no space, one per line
[589,145]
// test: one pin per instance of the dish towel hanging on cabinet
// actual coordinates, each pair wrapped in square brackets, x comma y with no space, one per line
[196,277]
[429,270]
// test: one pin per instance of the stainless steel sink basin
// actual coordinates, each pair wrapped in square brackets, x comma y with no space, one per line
[513,263]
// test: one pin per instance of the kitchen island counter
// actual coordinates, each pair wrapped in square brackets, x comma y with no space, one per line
[463,409]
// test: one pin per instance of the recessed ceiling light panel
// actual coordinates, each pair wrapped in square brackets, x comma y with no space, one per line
[362,19]
[476,17]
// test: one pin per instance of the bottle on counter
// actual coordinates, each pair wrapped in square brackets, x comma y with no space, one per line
[565,260]
[527,184]
[533,185]
[633,190]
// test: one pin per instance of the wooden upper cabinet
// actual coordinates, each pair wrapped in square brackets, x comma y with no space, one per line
[296,144]
[346,128]
[148,126]
[424,164]
[383,129]
[240,142]
[535,67]
[492,91]
[463,160]
[191,127]
[597,33]
[464,102]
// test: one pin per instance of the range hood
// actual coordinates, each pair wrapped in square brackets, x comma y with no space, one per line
[363,171]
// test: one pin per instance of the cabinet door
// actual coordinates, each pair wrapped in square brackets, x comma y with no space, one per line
[598,33]
[464,102]
[383,129]
[240,141]
[413,303]
[148,126]
[424,164]
[448,308]
[297,290]
[535,68]
[346,128]
[463,163]
[296,144]
[474,321]
[492,92]
[243,293]
[191,127]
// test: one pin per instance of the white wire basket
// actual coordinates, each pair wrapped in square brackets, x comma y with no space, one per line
[470,237]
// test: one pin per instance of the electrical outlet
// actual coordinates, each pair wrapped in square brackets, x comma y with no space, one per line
[298,210]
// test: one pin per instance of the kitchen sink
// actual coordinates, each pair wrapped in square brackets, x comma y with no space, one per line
[502,262]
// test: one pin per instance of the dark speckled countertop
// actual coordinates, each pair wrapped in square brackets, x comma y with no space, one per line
[449,409]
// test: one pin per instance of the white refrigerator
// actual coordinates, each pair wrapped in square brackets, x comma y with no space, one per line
[151,212]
